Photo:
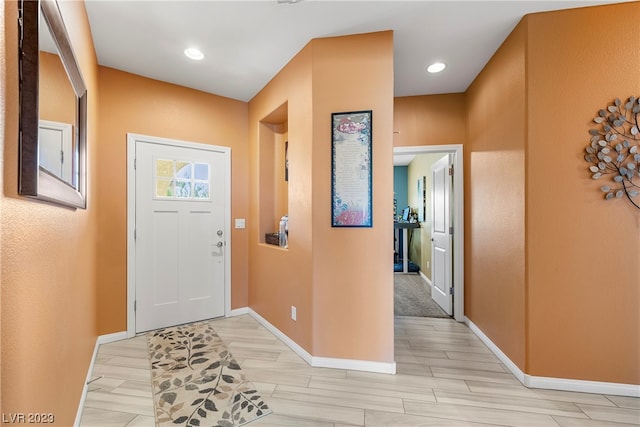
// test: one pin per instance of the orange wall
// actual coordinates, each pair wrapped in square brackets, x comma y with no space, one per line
[57,98]
[429,120]
[494,199]
[48,256]
[340,280]
[281,278]
[134,104]
[353,267]
[583,296]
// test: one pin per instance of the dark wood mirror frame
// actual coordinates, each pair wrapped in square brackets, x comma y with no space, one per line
[33,180]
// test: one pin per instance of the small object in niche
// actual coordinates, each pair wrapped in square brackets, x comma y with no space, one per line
[283,232]
[272,239]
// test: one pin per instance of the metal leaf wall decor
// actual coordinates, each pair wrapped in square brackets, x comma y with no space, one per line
[614,150]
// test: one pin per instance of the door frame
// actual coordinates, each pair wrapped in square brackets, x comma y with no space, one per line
[457,204]
[132,139]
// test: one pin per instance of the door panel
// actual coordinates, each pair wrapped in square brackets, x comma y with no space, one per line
[440,236]
[164,269]
[180,243]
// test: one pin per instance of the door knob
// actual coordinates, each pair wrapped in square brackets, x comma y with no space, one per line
[219,244]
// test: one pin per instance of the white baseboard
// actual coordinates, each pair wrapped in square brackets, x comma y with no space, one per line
[282,337]
[354,365]
[583,386]
[102,339]
[106,339]
[564,384]
[425,278]
[325,362]
[238,312]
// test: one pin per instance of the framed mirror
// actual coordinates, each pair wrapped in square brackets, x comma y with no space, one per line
[53,109]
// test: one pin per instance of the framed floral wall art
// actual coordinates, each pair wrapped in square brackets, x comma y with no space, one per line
[351,174]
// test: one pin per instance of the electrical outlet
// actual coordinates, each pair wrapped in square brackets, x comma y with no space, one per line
[293,313]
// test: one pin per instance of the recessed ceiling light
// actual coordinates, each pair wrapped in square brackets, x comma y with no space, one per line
[194,53]
[436,67]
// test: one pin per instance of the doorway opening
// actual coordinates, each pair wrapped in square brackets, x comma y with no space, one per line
[420,206]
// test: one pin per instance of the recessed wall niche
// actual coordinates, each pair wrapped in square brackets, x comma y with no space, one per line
[274,172]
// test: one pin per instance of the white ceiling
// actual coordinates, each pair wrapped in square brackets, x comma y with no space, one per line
[246,43]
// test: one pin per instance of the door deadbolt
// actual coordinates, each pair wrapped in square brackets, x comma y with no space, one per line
[219,233]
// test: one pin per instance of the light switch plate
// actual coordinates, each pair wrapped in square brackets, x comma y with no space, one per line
[240,223]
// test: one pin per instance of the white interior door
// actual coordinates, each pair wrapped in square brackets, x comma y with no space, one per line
[180,240]
[440,234]
[55,142]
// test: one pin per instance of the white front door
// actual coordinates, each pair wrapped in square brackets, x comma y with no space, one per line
[180,233]
[440,234]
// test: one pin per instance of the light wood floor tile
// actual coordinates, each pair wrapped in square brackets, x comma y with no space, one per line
[478,414]
[264,389]
[605,413]
[134,388]
[92,417]
[415,369]
[142,421]
[103,358]
[443,343]
[581,422]
[293,368]
[386,419]
[275,420]
[625,402]
[390,390]
[106,384]
[122,372]
[129,362]
[291,357]
[518,390]
[443,346]
[133,347]
[381,380]
[446,377]
[120,403]
[519,404]
[462,364]
[273,377]
[339,398]
[411,356]
[243,353]
[317,411]
[406,354]
[473,356]
[474,375]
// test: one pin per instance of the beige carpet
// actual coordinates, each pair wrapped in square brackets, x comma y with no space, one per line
[412,297]
[196,381]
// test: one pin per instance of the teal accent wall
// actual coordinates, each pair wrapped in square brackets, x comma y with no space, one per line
[400,187]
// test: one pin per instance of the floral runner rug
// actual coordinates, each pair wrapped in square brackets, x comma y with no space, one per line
[196,380]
